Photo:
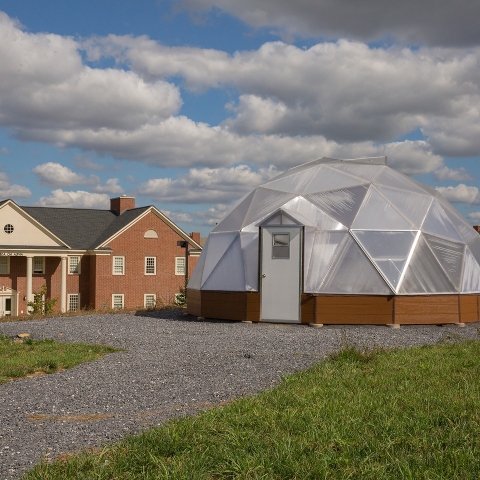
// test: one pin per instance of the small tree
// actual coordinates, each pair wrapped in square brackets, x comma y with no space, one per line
[181,297]
[40,303]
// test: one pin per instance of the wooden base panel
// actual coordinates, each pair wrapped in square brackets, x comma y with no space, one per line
[343,309]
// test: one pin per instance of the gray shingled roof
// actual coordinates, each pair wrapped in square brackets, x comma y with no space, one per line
[82,229]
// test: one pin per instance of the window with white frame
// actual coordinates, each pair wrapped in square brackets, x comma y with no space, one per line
[150,265]
[4,265]
[73,302]
[150,300]
[179,265]
[73,265]
[117,300]
[119,265]
[38,264]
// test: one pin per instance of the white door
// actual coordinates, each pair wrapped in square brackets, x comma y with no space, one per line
[5,306]
[280,273]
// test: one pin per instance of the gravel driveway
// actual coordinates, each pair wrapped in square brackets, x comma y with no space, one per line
[173,366]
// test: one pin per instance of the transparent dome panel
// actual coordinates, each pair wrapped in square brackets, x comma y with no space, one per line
[471,274]
[327,178]
[249,243]
[390,251]
[365,172]
[234,219]
[229,273]
[424,273]
[353,273]
[378,213]
[438,223]
[325,245]
[218,244]
[342,205]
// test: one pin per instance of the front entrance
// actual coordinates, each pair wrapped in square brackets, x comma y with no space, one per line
[280,273]
[5,306]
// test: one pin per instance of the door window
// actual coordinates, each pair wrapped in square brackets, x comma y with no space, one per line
[281,245]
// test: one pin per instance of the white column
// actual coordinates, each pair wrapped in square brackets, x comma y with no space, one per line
[29,294]
[63,286]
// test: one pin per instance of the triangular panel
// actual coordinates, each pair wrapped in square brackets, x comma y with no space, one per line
[327,178]
[229,273]
[414,206]
[353,273]
[471,273]
[390,251]
[342,205]
[195,281]
[365,172]
[466,231]
[321,255]
[438,223]
[313,214]
[294,183]
[424,274]
[265,202]
[391,178]
[474,246]
[249,242]
[234,219]
[218,244]
[378,213]
[450,256]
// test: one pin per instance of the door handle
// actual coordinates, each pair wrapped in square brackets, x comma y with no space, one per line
[264,275]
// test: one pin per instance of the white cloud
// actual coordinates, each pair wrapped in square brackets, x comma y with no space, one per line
[178,217]
[208,185]
[460,194]
[87,163]
[341,99]
[45,85]
[429,21]
[211,216]
[7,190]
[78,199]
[56,175]
[474,215]
[459,174]
[111,187]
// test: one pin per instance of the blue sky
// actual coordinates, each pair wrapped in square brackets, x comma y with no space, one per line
[189,104]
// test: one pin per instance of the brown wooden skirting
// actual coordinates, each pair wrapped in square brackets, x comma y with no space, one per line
[343,309]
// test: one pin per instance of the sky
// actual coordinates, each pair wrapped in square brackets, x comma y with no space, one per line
[189,104]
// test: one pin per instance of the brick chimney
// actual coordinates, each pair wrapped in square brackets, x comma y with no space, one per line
[120,204]
[477,228]
[195,236]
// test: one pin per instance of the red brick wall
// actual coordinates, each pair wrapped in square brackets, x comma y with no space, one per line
[96,284]
[134,247]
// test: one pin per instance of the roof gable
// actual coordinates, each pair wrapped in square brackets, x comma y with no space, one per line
[128,218]
[27,230]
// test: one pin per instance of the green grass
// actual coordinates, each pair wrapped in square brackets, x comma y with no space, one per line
[18,360]
[398,414]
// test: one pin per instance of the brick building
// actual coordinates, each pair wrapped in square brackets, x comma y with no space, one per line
[125,257]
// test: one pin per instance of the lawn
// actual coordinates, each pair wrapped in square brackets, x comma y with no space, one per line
[386,414]
[33,357]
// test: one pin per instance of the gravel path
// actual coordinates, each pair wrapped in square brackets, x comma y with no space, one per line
[173,366]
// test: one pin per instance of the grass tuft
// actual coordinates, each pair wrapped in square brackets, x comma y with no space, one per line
[34,357]
[407,413]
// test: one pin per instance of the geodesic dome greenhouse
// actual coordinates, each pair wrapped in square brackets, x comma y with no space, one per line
[366,230]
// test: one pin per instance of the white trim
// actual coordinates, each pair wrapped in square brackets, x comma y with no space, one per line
[154,265]
[162,217]
[43,266]
[145,295]
[177,269]
[122,295]
[35,222]
[7,264]
[70,295]
[78,272]
[123,265]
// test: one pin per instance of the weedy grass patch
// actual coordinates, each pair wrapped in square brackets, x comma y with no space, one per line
[384,414]
[33,357]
